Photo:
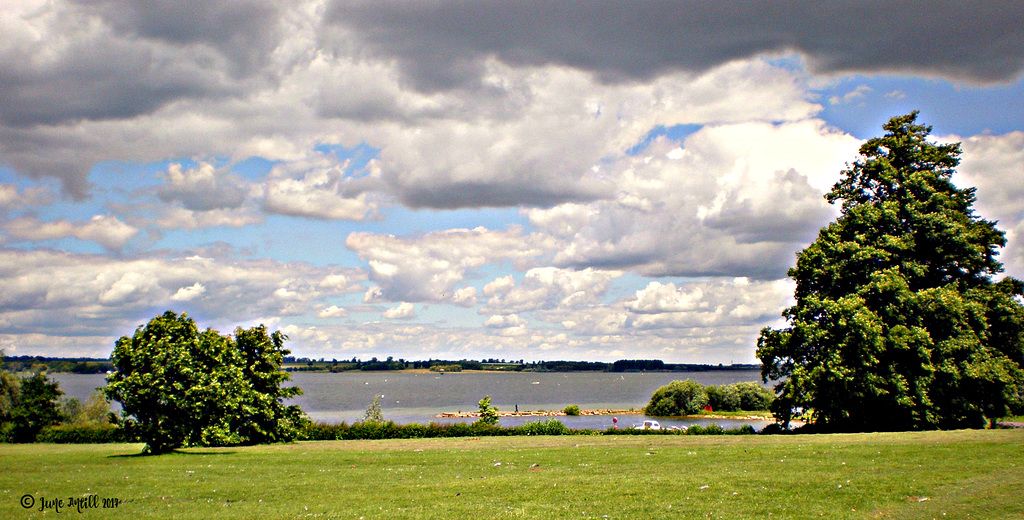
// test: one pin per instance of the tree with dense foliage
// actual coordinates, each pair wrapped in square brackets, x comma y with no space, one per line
[898,323]
[37,406]
[677,398]
[266,418]
[10,394]
[183,387]
[746,396]
[27,405]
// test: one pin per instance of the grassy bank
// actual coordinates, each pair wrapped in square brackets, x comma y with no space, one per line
[904,475]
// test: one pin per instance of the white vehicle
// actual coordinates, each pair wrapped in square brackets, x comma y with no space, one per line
[649,425]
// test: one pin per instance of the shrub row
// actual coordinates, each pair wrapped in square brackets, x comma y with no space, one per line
[391,430]
[711,429]
[85,434]
[108,433]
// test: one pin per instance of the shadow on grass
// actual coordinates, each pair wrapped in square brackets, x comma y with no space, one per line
[168,454]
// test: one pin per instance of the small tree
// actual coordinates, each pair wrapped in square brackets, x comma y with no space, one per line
[10,396]
[96,409]
[374,413]
[38,406]
[71,409]
[488,413]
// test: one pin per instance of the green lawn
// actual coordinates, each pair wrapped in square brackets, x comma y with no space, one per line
[975,474]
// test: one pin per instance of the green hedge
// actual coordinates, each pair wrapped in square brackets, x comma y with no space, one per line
[107,433]
[85,434]
[542,427]
[696,429]
[390,430]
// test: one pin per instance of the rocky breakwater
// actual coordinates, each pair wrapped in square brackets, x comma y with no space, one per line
[537,413]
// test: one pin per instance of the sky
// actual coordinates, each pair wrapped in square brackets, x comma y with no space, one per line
[465,180]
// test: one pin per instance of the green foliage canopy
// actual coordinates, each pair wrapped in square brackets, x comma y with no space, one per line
[27,405]
[265,418]
[184,387]
[747,395]
[677,398]
[898,323]
[34,406]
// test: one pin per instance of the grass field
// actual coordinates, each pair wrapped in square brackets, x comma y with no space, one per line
[964,474]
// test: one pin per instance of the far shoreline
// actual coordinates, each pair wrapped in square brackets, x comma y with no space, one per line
[740,416]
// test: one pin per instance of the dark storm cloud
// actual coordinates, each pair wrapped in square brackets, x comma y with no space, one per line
[102,60]
[442,44]
[107,83]
[243,29]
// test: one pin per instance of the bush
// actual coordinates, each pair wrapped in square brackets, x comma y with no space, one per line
[748,396]
[723,398]
[391,430]
[774,429]
[753,396]
[321,431]
[677,398]
[84,434]
[572,410]
[711,429]
[542,427]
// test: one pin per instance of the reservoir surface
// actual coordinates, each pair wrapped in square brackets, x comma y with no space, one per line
[419,396]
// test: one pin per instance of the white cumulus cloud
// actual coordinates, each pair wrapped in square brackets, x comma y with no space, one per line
[189,293]
[403,311]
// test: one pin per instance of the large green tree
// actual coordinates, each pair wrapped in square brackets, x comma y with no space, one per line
[898,322]
[181,386]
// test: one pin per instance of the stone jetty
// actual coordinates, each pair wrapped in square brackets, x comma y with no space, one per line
[537,413]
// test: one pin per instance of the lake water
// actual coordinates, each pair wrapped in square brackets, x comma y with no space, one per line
[419,397]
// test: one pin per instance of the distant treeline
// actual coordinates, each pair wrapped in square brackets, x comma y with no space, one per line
[57,364]
[302,364]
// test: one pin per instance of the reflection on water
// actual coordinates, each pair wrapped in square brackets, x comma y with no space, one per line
[418,397]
